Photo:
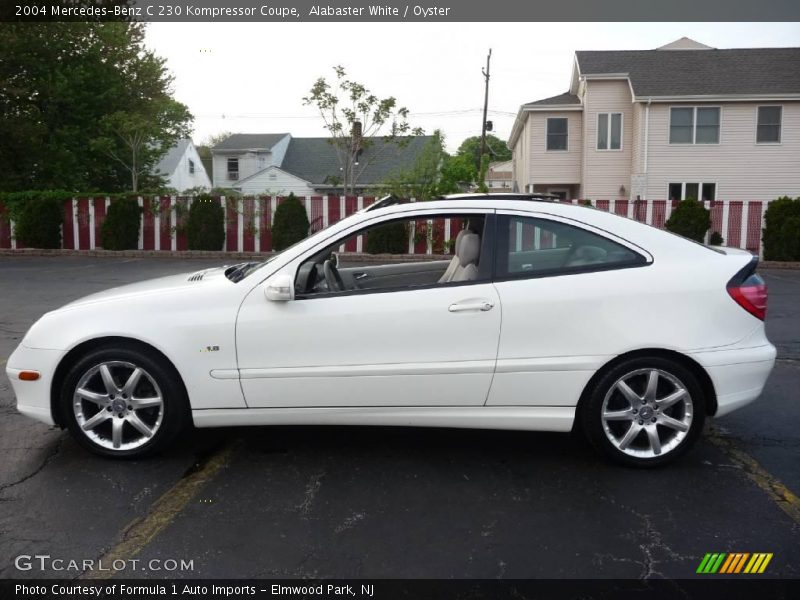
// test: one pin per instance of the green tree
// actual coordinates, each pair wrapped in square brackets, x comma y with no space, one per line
[60,84]
[353,115]
[495,148]
[136,140]
[434,173]
[204,149]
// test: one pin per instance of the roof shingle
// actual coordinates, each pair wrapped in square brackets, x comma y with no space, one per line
[249,141]
[566,98]
[314,159]
[700,72]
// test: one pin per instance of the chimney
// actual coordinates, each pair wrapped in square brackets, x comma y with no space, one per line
[356,134]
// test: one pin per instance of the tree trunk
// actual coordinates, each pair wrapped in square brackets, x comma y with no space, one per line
[134,173]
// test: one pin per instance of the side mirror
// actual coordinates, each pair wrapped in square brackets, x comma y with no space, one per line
[280,288]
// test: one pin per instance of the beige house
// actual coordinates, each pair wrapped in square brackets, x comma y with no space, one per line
[684,120]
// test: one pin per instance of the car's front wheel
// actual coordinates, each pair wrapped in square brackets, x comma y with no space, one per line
[123,402]
[644,412]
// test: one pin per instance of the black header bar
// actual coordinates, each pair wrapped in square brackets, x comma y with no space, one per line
[433,11]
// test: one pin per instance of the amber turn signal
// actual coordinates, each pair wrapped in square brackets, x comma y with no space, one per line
[29,375]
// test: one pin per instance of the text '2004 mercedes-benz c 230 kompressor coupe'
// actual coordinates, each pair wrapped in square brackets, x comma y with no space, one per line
[548,317]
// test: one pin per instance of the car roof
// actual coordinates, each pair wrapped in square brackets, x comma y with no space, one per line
[394,200]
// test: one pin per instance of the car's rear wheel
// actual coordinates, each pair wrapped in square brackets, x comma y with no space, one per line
[644,412]
[123,402]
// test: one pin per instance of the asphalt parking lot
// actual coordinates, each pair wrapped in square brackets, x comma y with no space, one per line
[313,502]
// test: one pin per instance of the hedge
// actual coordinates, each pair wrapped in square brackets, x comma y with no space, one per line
[690,219]
[391,238]
[205,227]
[781,233]
[290,224]
[37,215]
[120,229]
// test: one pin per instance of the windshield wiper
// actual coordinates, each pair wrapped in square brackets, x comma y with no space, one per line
[238,272]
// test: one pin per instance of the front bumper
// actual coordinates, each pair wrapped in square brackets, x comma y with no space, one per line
[33,397]
[738,375]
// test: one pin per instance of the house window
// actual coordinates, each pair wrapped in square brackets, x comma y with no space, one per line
[557,133]
[191,167]
[694,125]
[694,191]
[769,125]
[609,131]
[233,168]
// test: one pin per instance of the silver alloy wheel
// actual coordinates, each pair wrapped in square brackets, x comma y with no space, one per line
[118,405]
[647,413]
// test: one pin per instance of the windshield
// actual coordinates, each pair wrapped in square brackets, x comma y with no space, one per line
[238,272]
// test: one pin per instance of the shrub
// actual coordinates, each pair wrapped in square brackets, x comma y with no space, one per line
[205,227]
[716,239]
[290,224]
[38,217]
[690,219]
[781,233]
[790,237]
[120,229]
[391,238]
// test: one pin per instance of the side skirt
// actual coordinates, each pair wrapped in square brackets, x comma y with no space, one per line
[524,418]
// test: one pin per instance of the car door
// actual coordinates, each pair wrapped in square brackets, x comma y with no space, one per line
[566,289]
[428,345]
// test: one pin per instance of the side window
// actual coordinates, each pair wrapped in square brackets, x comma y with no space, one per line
[529,247]
[557,133]
[399,255]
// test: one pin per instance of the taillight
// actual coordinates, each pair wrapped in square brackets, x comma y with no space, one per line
[750,294]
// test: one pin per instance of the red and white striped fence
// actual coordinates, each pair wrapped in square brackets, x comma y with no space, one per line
[248,221]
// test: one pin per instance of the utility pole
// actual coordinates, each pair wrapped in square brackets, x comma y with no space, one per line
[485,103]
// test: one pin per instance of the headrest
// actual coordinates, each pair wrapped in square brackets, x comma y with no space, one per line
[457,244]
[469,249]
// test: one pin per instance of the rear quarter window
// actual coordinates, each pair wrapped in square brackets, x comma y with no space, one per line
[531,247]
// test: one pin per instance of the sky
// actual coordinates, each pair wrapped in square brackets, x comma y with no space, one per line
[252,77]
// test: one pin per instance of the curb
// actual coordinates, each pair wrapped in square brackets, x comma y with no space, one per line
[776,264]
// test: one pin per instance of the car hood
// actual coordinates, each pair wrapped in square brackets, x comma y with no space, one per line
[152,286]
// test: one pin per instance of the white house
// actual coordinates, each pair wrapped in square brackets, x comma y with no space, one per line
[277,163]
[182,167]
[681,121]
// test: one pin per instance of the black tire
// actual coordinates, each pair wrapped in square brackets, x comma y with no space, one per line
[638,371]
[174,409]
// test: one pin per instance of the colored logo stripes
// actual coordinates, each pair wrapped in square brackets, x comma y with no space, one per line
[734,562]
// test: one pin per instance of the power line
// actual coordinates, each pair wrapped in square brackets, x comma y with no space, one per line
[443,113]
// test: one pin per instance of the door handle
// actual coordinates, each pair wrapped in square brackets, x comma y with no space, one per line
[470,306]
[360,275]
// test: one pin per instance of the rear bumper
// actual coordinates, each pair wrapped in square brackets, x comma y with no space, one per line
[738,375]
[33,397]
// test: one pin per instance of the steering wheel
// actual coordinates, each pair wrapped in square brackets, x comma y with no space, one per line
[332,277]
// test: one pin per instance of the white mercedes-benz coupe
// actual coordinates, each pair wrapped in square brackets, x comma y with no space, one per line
[547,317]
